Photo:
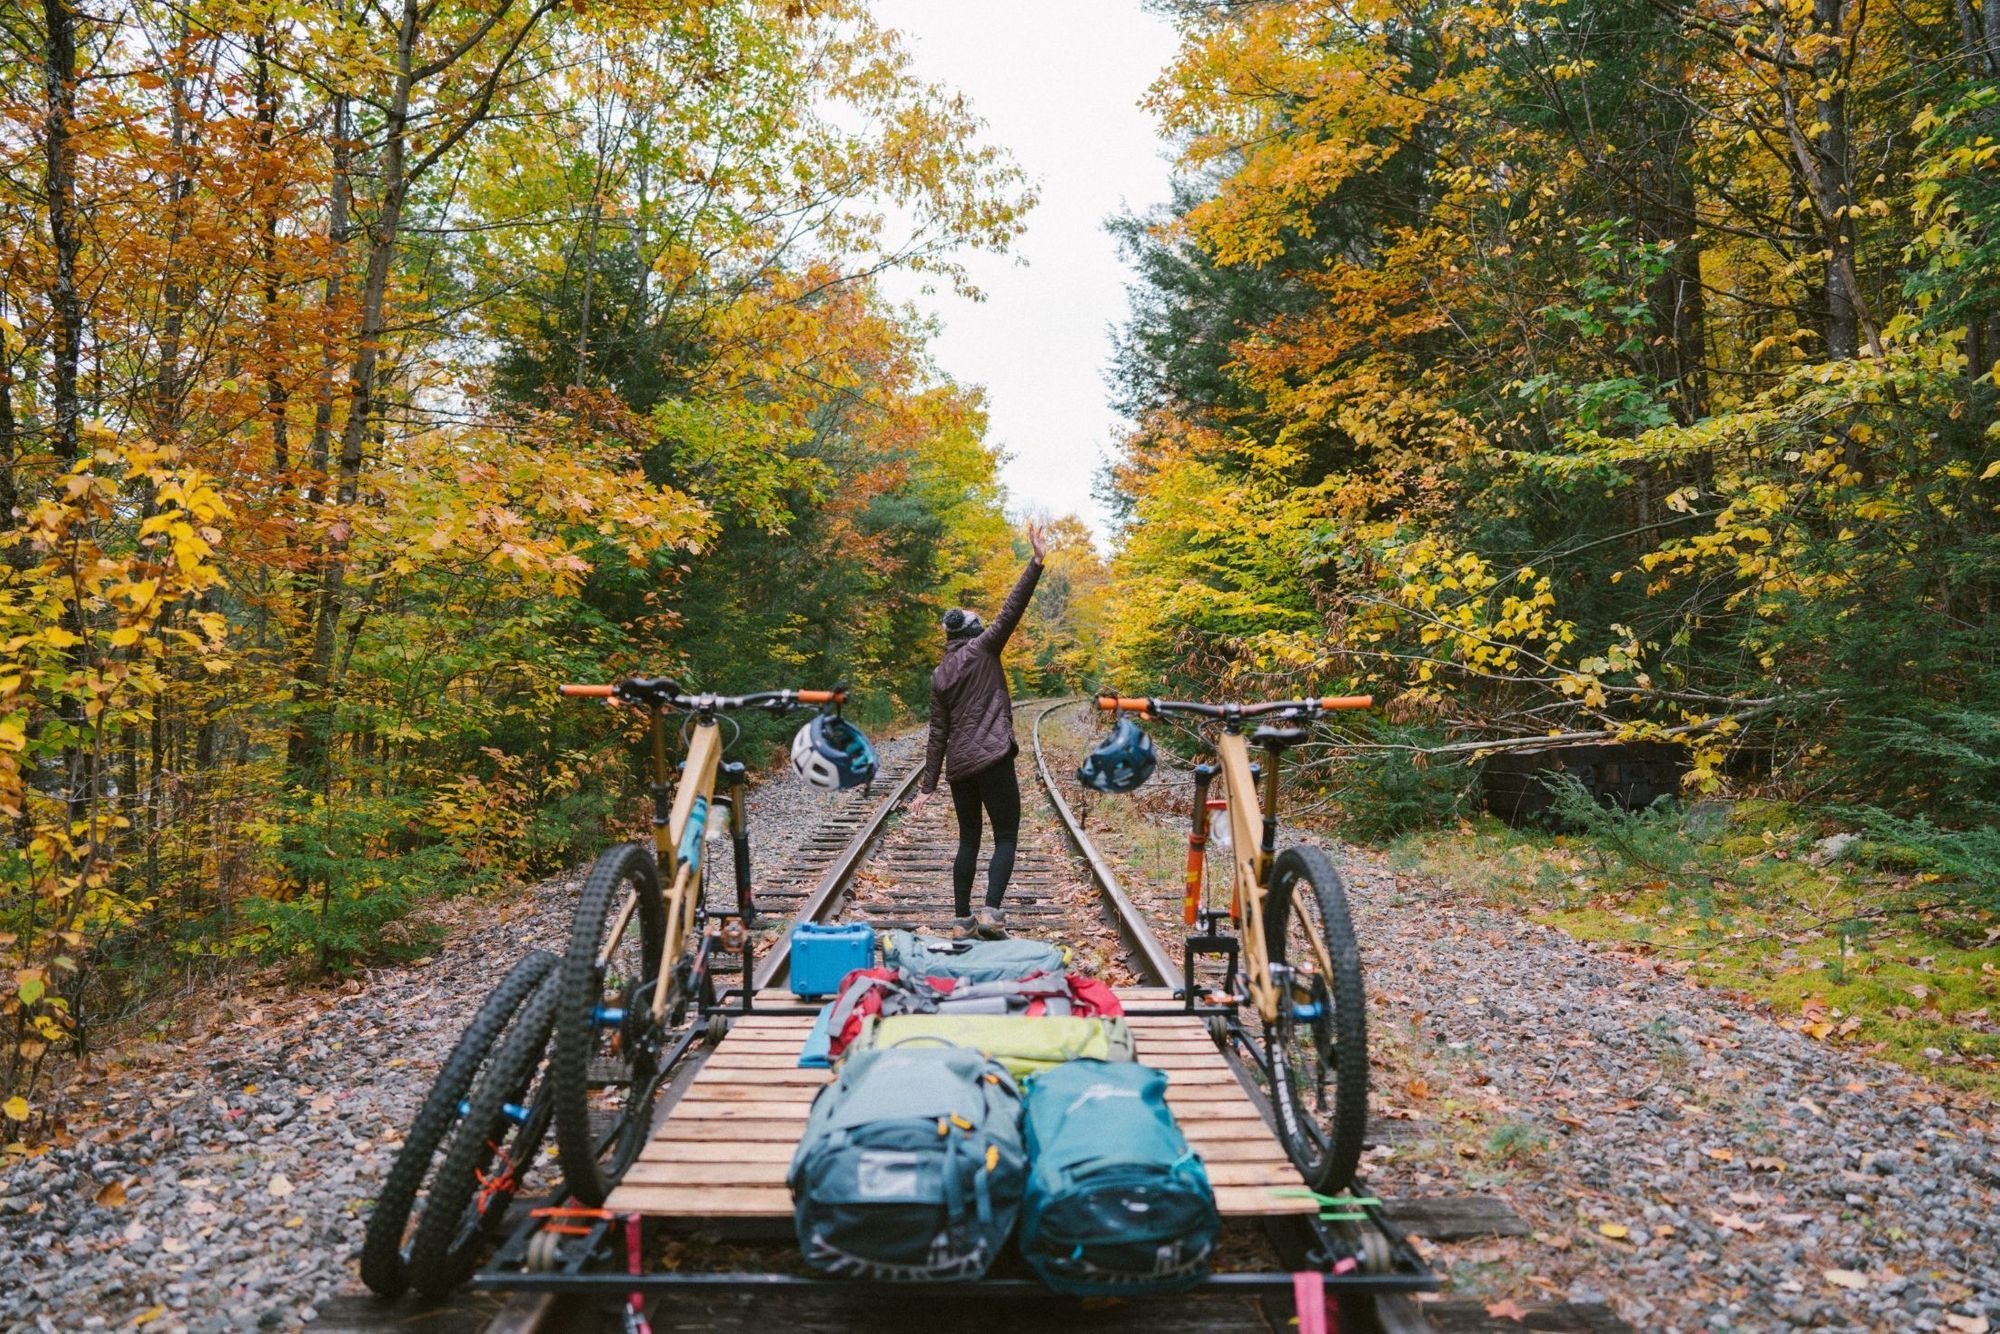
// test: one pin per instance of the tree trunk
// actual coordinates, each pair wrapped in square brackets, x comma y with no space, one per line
[1836,193]
[277,395]
[65,307]
[1674,297]
[305,758]
[80,768]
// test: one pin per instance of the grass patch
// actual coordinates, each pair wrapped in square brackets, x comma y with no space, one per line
[1855,949]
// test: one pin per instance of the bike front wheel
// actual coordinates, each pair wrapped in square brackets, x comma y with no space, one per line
[604,1065]
[490,1155]
[404,1200]
[1316,1051]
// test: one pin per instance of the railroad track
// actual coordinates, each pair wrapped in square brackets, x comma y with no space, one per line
[864,862]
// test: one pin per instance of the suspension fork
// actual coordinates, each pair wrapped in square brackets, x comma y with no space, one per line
[1204,774]
[663,796]
[735,775]
[1267,850]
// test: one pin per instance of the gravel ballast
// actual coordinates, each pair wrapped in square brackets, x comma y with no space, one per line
[219,1179]
[1677,1154]
[1680,1155]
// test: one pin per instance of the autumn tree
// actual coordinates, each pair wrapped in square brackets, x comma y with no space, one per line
[365,372]
[1558,364]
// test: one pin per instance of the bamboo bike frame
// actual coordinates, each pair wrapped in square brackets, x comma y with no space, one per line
[1253,836]
[692,805]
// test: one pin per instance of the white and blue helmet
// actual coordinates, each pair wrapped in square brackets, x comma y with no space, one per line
[831,753]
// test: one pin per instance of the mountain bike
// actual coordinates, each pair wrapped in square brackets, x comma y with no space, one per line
[492,1152]
[411,1188]
[640,958]
[1301,966]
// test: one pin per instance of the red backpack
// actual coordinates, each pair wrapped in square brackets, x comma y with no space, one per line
[885,991]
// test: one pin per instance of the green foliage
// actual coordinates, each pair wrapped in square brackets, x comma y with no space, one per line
[1962,863]
[361,883]
[1391,789]
[1474,361]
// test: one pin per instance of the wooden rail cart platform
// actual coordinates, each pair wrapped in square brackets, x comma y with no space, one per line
[732,1118]
[722,1150]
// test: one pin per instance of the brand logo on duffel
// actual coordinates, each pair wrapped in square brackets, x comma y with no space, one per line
[884,1174]
[1089,1096]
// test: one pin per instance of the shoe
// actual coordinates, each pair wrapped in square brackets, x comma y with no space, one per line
[961,928]
[992,923]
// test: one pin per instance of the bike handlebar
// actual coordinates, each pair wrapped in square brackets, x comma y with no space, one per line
[1157,707]
[659,692]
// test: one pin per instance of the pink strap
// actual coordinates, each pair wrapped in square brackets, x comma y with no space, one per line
[1309,1296]
[635,1319]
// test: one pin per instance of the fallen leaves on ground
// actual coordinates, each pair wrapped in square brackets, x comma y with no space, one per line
[1735,1223]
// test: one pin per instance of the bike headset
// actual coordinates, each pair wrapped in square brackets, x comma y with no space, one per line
[831,753]
[1122,761]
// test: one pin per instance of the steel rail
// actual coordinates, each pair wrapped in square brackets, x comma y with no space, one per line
[775,963]
[1132,925]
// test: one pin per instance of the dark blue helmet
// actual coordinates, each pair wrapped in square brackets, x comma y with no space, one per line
[1120,762]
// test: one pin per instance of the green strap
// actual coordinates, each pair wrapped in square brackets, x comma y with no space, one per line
[1333,1208]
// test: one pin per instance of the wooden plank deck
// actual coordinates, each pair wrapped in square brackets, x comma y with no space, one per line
[722,1150]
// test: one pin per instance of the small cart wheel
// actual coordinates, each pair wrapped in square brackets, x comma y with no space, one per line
[1376,1256]
[541,1257]
[718,1027]
[1218,1028]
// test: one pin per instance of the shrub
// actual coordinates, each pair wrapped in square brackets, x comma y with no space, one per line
[356,881]
[1393,791]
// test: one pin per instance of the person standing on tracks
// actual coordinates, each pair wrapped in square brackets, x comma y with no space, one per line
[972,741]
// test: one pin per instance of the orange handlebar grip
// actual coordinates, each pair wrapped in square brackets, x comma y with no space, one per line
[822,697]
[1121,702]
[590,692]
[1347,702]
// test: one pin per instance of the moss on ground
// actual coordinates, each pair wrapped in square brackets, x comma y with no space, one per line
[1856,954]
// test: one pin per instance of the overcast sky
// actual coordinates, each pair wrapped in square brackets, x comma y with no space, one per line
[1059,83]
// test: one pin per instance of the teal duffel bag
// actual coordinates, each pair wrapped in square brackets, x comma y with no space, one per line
[970,960]
[1116,1202]
[911,1167]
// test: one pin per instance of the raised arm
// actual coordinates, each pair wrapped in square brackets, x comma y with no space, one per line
[995,636]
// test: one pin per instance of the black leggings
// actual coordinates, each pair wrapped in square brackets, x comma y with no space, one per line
[996,789]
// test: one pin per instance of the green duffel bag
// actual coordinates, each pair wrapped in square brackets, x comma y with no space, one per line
[1025,1044]
[911,1167]
[970,960]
